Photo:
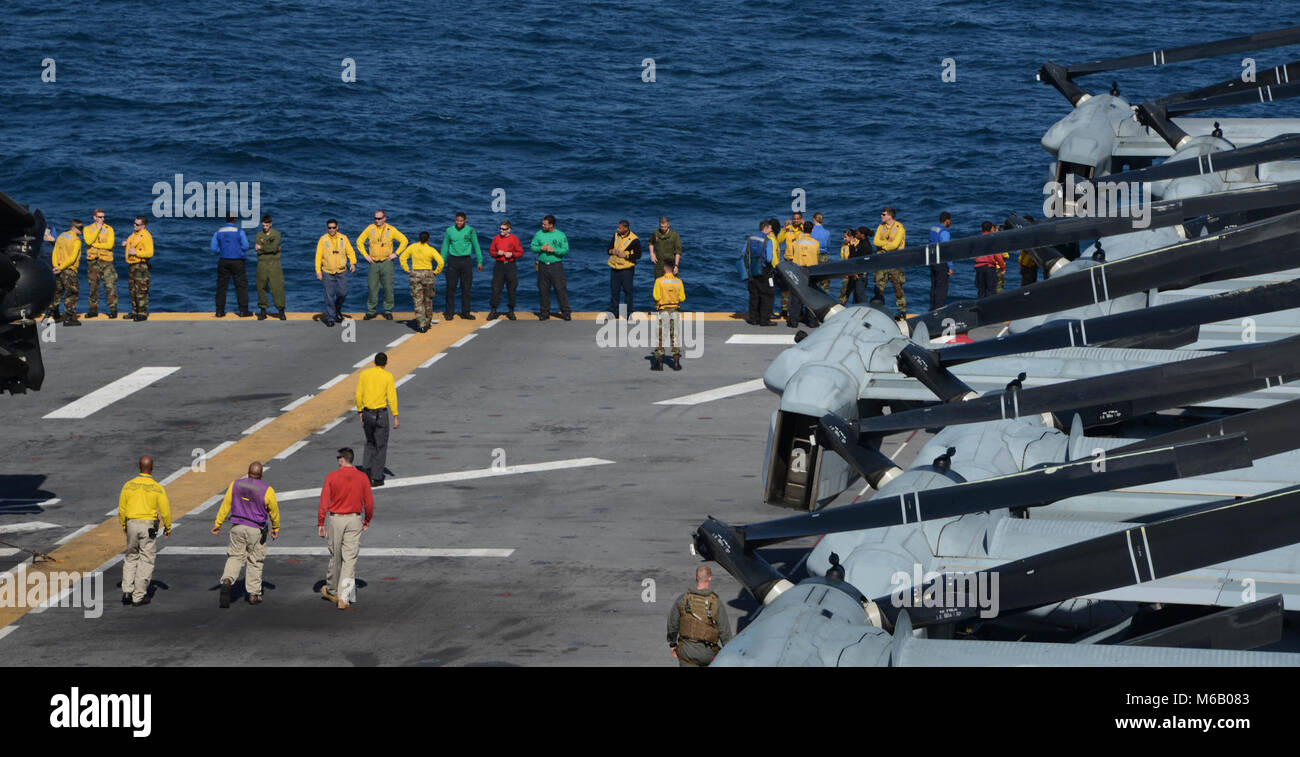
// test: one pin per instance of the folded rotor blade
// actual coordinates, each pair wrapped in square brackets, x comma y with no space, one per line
[819,302]
[1271,430]
[1251,626]
[1282,147]
[834,432]
[1257,41]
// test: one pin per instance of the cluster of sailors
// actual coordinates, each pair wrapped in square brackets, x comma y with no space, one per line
[807,243]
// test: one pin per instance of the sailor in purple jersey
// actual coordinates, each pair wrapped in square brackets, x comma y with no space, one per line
[250,503]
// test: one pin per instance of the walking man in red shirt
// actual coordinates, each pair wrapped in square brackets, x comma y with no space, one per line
[344,497]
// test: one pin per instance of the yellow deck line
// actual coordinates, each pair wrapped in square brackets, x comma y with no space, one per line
[524,316]
[99,545]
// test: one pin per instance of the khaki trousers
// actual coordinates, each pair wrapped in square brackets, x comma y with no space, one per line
[246,548]
[137,566]
[343,537]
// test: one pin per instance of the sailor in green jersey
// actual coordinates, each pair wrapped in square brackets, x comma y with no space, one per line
[550,245]
[458,242]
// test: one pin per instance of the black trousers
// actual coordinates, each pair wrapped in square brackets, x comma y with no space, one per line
[228,269]
[375,424]
[620,280]
[761,297]
[460,270]
[1028,275]
[986,280]
[938,286]
[551,276]
[507,274]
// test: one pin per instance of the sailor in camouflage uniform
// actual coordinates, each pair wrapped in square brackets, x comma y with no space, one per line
[697,624]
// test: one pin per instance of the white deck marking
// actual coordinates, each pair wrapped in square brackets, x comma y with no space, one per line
[31,525]
[7,630]
[463,340]
[332,382]
[76,533]
[433,360]
[300,401]
[112,392]
[760,339]
[439,478]
[207,503]
[184,469]
[331,424]
[217,450]
[731,390]
[489,324]
[273,550]
[404,379]
[257,426]
[400,339]
[292,448]
[8,551]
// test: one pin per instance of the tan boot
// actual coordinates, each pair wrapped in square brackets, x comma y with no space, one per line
[343,604]
[325,594]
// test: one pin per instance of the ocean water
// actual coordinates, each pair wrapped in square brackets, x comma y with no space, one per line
[454,103]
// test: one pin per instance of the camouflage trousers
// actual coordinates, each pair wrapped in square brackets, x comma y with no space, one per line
[65,286]
[894,276]
[97,270]
[422,291]
[138,283]
[668,328]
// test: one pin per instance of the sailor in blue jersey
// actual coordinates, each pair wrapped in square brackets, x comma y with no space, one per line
[230,244]
[939,272]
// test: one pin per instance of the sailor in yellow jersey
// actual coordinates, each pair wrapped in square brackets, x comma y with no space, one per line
[791,231]
[139,260]
[669,294]
[335,258]
[376,396]
[380,256]
[140,508]
[891,236]
[99,266]
[65,259]
[418,261]
[806,251]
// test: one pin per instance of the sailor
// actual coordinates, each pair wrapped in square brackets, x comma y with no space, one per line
[380,256]
[1028,265]
[791,231]
[138,249]
[665,247]
[550,246]
[230,243]
[65,259]
[891,236]
[760,261]
[805,251]
[506,250]
[335,258]
[939,272]
[140,507]
[669,294]
[823,237]
[99,266]
[250,503]
[270,276]
[863,235]
[417,260]
[376,396]
[624,251]
[458,242]
[852,247]
[344,497]
[986,267]
[697,624]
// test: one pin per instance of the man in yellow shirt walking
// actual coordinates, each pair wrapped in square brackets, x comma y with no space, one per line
[669,294]
[376,396]
[140,507]
[417,260]
[139,259]
[335,258]
[65,259]
[99,266]
[891,236]
[380,256]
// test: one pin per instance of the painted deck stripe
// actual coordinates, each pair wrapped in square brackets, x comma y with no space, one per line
[463,340]
[175,475]
[274,550]
[112,392]
[732,390]
[331,424]
[297,403]
[332,381]
[433,360]
[403,379]
[440,478]
[760,339]
[256,426]
[400,339]
[76,533]
[207,503]
[31,525]
[292,448]
[489,325]
[7,630]
[363,362]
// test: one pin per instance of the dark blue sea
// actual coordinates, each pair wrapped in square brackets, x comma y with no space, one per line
[451,101]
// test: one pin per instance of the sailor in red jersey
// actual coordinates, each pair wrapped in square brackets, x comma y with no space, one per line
[344,497]
[506,250]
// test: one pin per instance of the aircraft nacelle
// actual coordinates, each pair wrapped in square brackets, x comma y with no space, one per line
[1084,140]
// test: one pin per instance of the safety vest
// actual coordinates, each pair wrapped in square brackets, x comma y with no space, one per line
[616,261]
[699,618]
[757,263]
[805,251]
[936,234]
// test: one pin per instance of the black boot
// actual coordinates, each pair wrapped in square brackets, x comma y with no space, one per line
[280,314]
[656,363]
[261,314]
[112,312]
[511,315]
[493,315]
[677,362]
[71,320]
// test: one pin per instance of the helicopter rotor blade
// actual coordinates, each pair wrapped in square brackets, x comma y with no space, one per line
[1234,529]
[834,432]
[1271,430]
[1249,42]
[1251,626]
[1114,397]
[1095,331]
[724,545]
[1264,94]
[928,368]
[1281,147]
[1031,488]
[819,302]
